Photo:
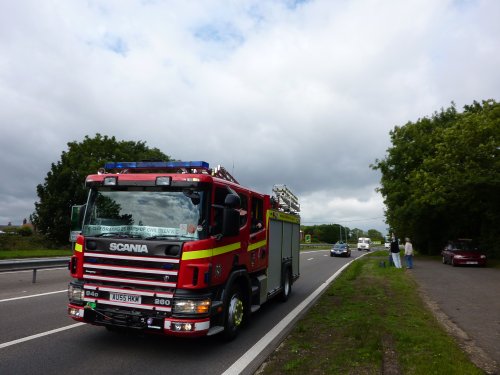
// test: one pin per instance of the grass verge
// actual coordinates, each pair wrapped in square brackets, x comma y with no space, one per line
[371,320]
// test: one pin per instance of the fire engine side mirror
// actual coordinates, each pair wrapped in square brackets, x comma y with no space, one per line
[77,213]
[230,222]
[232,201]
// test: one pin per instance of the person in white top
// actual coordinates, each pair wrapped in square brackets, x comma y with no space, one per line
[408,253]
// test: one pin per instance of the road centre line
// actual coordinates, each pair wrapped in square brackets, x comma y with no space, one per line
[32,337]
[33,295]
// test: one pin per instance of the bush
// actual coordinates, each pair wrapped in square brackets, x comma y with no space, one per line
[25,231]
[29,242]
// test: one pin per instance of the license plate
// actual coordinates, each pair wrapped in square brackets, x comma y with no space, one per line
[471,262]
[128,298]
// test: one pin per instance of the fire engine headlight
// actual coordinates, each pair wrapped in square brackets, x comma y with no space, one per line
[185,306]
[75,293]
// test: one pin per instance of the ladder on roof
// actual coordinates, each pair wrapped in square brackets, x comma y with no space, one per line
[221,172]
[286,201]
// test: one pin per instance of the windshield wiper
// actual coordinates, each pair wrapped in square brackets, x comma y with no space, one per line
[162,237]
[119,234]
[157,237]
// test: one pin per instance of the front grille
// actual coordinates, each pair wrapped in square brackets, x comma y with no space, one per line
[131,270]
[130,283]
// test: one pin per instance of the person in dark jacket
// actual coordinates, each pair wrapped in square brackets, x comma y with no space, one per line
[395,251]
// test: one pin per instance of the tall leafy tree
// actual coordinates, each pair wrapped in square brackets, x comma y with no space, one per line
[375,235]
[441,177]
[64,184]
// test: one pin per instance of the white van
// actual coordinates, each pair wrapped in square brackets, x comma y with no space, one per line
[364,243]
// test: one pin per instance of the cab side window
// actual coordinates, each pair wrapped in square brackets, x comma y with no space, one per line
[243,209]
[217,210]
[257,214]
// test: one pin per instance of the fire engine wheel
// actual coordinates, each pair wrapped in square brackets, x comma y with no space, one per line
[235,309]
[287,286]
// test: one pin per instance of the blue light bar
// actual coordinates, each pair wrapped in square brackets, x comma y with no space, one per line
[156,164]
[120,165]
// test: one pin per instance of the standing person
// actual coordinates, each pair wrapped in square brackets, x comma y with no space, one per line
[395,251]
[391,262]
[408,253]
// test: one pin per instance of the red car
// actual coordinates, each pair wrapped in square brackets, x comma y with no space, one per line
[463,252]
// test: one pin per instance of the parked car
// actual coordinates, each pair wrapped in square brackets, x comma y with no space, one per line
[463,252]
[387,245]
[364,243]
[340,249]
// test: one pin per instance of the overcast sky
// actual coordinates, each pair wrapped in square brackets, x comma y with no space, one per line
[302,93]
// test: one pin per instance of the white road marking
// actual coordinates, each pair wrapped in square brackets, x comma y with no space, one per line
[310,258]
[254,351]
[32,337]
[33,295]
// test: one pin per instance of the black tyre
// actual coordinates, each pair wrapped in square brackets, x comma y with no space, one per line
[453,262]
[234,313]
[287,286]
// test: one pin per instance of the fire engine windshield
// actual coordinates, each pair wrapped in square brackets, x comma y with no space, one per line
[143,213]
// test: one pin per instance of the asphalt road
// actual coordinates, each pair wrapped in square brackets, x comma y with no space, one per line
[469,297]
[36,336]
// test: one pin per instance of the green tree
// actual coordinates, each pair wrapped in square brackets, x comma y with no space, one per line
[441,177]
[328,233]
[25,231]
[356,233]
[64,184]
[375,235]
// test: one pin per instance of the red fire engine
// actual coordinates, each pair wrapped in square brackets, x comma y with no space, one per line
[180,249]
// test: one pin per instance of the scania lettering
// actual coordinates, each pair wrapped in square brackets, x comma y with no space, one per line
[128,247]
[179,248]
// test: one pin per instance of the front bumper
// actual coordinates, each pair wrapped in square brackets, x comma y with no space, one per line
[469,262]
[339,253]
[139,321]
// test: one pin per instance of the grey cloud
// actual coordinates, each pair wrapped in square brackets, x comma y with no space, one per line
[305,96]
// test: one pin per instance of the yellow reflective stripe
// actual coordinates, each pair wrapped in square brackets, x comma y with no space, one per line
[78,247]
[199,254]
[256,245]
[282,216]
[227,248]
